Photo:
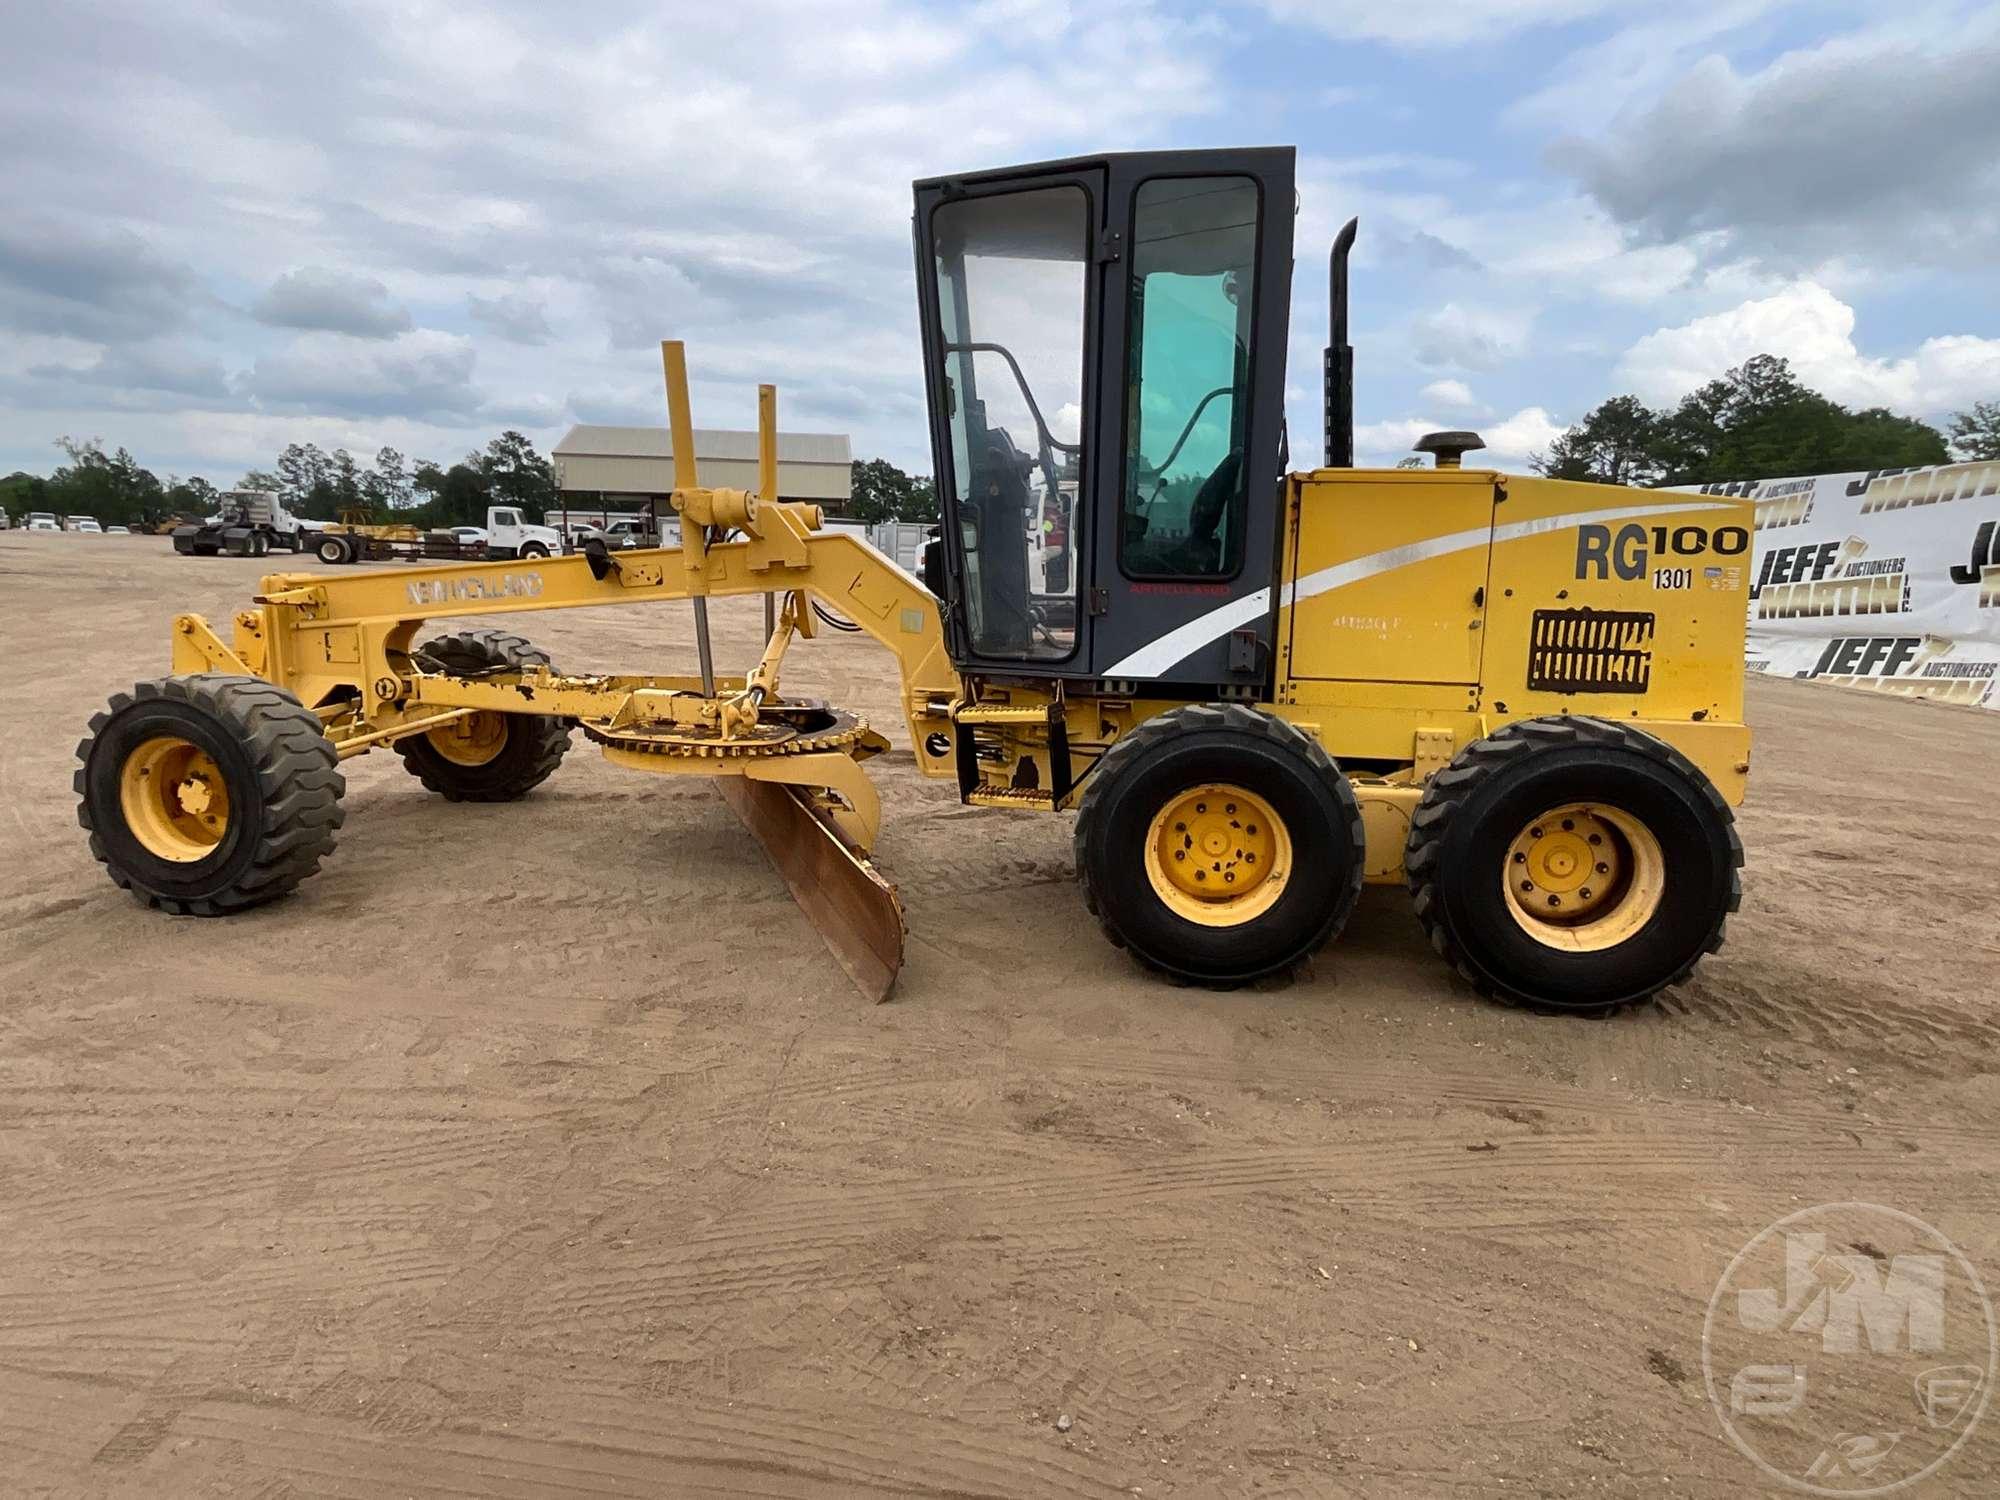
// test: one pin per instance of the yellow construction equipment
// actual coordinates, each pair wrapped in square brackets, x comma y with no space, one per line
[1258,690]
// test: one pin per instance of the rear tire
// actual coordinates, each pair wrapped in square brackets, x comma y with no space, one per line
[208,794]
[1508,837]
[489,757]
[332,549]
[1215,793]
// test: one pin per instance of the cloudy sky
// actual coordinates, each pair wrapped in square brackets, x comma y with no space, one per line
[226,227]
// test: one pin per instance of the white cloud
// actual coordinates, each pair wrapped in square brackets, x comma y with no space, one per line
[1450,394]
[424,373]
[1435,24]
[317,297]
[507,170]
[1814,329]
[1457,337]
[1509,443]
[1874,144]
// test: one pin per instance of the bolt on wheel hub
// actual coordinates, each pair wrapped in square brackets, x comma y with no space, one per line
[174,799]
[1218,855]
[1583,877]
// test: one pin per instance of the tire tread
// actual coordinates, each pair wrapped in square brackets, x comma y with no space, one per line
[297,771]
[1473,766]
[1131,750]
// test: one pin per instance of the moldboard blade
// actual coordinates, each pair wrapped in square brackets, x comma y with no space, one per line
[852,906]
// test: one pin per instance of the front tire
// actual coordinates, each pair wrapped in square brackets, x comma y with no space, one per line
[208,794]
[533,552]
[1219,844]
[1573,864]
[486,757]
[332,549]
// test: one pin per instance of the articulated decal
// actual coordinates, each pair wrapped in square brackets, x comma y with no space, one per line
[1157,658]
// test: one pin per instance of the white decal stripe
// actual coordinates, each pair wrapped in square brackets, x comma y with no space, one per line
[1156,658]
[1153,658]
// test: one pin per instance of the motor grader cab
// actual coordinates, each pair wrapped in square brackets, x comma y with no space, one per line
[1257,690]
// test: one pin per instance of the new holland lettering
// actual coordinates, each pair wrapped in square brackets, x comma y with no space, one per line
[424,591]
[1626,552]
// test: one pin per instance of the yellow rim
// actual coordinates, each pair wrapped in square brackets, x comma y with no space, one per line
[1218,855]
[174,799]
[1583,877]
[471,741]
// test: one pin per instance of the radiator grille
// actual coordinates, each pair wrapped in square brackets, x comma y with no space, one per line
[1591,651]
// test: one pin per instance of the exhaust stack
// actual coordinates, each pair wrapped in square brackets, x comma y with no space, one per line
[1339,355]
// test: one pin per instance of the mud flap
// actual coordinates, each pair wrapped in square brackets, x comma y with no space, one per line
[854,909]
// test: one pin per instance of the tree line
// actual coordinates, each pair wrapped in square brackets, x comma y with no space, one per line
[118,490]
[1757,421]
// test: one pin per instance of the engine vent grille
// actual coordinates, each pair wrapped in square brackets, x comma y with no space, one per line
[1591,651]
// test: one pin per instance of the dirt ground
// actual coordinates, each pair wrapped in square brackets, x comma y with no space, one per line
[541,1150]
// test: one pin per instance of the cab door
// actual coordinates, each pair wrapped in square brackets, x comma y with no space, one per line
[1190,428]
[1010,275]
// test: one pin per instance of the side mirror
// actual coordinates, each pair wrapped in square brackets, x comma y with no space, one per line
[968,533]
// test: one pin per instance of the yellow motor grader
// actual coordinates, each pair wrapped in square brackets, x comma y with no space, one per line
[1258,690]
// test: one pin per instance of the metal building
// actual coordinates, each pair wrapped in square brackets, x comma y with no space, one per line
[621,468]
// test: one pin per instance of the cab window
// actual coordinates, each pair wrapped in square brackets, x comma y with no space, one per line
[1187,380]
[1013,298]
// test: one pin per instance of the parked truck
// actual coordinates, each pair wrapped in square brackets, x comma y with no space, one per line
[507,535]
[249,524]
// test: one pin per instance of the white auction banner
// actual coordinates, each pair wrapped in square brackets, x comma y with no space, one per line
[1887,580]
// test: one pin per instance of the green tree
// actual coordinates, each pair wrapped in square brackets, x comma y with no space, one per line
[1617,443]
[459,495]
[21,492]
[305,475]
[1976,433]
[1756,421]
[112,487]
[879,491]
[193,496]
[345,477]
[515,474]
[387,484]
[261,479]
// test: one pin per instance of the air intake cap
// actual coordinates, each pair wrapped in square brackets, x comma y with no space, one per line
[1449,446]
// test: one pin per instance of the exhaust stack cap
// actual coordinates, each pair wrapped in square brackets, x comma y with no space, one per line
[1449,446]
